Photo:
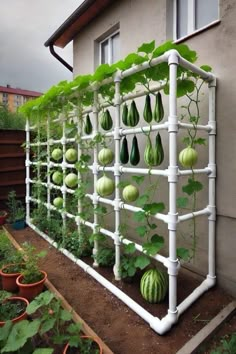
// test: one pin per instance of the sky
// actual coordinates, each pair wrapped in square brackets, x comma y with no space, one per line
[25,25]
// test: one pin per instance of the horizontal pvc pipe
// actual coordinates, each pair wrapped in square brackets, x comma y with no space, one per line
[147,64]
[158,216]
[52,164]
[205,170]
[207,128]
[159,326]
[131,96]
[144,171]
[200,290]
[38,144]
[195,69]
[146,129]
[194,214]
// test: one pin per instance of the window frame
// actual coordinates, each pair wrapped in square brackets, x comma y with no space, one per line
[109,39]
[191,30]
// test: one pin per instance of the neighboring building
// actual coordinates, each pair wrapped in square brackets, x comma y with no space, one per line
[106,30]
[13,98]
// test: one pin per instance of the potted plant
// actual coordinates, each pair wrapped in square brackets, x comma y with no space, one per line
[84,345]
[3,217]
[32,279]
[19,222]
[11,271]
[12,308]
[57,321]
[16,211]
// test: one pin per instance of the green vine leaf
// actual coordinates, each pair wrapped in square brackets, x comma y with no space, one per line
[130,248]
[186,140]
[154,208]
[123,184]
[183,253]
[184,86]
[134,59]
[206,67]
[192,187]
[182,202]
[138,179]
[142,200]
[20,333]
[102,72]
[141,230]
[142,262]
[139,216]
[200,141]
[43,351]
[153,247]
[100,210]
[147,47]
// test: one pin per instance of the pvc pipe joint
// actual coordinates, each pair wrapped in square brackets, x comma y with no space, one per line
[210,281]
[173,266]
[212,125]
[212,210]
[117,169]
[173,173]
[173,57]
[117,133]
[116,204]
[212,167]
[164,325]
[173,125]
[172,221]
[95,168]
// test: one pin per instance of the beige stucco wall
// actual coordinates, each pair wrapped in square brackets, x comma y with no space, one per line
[141,21]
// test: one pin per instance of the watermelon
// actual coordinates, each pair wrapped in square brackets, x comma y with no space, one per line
[154,285]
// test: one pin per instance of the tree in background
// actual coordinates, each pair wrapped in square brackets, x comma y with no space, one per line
[10,120]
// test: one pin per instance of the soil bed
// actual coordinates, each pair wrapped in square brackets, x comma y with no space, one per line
[118,326]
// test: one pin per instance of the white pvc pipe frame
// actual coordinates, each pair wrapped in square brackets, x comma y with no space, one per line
[172,219]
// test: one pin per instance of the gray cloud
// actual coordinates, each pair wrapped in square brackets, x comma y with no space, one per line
[24,27]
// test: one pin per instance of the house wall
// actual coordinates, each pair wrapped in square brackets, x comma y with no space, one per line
[215,46]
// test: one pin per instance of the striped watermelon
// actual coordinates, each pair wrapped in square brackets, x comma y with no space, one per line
[154,285]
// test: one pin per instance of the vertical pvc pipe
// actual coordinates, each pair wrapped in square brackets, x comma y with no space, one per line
[63,142]
[117,200]
[79,152]
[38,154]
[48,168]
[172,179]
[27,165]
[212,180]
[95,174]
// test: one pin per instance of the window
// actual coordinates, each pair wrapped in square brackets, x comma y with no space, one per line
[192,15]
[110,49]
[5,98]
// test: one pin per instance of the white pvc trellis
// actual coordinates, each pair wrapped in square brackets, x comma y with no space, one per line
[172,173]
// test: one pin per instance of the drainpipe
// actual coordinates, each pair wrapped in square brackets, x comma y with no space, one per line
[57,56]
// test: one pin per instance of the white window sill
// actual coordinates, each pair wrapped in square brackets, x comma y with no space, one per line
[212,24]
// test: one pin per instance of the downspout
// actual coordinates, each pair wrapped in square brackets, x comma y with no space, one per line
[57,56]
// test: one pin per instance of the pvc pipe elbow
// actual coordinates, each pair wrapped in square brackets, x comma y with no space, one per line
[210,281]
[164,325]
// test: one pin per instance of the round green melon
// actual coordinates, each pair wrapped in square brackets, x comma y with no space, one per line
[154,285]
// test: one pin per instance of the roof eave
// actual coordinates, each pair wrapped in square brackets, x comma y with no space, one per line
[86,12]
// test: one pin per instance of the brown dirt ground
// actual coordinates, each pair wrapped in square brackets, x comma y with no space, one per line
[118,326]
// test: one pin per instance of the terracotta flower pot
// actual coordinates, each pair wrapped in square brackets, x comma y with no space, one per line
[23,316]
[3,217]
[9,279]
[30,291]
[65,351]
